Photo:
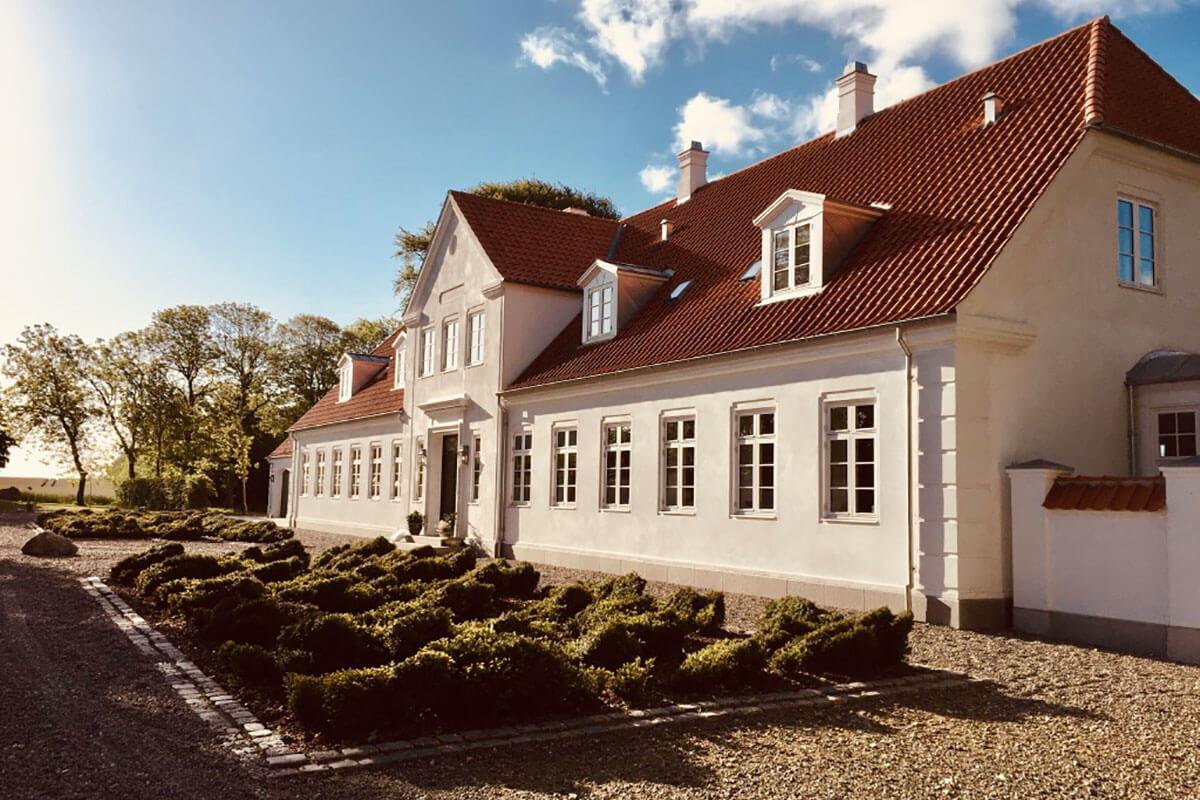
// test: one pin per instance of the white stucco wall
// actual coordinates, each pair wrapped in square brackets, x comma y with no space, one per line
[276,467]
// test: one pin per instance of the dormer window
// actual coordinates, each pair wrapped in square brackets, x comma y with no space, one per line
[804,237]
[401,361]
[345,381]
[600,312]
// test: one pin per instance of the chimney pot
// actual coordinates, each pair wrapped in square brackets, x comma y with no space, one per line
[693,164]
[993,107]
[856,97]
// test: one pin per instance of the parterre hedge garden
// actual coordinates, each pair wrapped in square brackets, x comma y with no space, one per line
[365,640]
[176,526]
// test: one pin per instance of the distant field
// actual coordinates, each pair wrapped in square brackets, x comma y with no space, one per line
[100,488]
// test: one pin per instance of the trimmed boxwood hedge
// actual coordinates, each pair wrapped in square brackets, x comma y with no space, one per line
[365,639]
[179,526]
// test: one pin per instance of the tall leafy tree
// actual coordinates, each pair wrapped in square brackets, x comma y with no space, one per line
[243,336]
[364,335]
[305,358]
[117,374]
[7,439]
[51,397]
[181,339]
[413,245]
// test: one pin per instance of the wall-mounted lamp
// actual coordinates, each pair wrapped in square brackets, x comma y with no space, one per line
[465,455]
[421,449]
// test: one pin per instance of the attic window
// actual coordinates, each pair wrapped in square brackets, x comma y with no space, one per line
[680,289]
[346,381]
[751,271]
[400,362]
[599,311]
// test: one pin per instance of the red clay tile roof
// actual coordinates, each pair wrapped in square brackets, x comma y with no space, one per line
[284,450]
[376,397]
[535,245]
[957,192]
[1080,493]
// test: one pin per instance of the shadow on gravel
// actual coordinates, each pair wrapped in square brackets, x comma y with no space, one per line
[674,755]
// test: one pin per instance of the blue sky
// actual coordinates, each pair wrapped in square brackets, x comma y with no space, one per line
[160,152]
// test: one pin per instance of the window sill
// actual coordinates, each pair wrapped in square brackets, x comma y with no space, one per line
[789,294]
[562,506]
[520,505]
[849,520]
[677,512]
[754,515]
[476,364]
[1141,287]
[615,509]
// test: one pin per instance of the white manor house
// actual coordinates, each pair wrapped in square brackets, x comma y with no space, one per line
[809,376]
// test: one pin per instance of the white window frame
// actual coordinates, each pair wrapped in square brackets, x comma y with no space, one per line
[476,466]
[335,478]
[679,446]
[355,472]
[476,337]
[852,435]
[792,232]
[520,462]
[397,470]
[1137,253]
[419,472]
[450,344]
[1159,458]
[346,381]
[755,440]
[597,324]
[400,362]
[305,473]
[319,487]
[617,448]
[375,470]
[564,481]
[428,351]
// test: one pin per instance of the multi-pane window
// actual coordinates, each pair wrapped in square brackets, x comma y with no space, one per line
[376,473]
[355,472]
[428,351]
[304,472]
[754,444]
[679,464]
[476,467]
[475,323]
[320,487]
[1176,434]
[345,381]
[790,257]
[401,350]
[850,451]
[396,471]
[618,455]
[522,466]
[1135,242]
[600,311]
[450,344]
[419,488]
[566,459]
[335,488]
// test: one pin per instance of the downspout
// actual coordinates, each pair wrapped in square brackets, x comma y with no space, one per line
[1132,431]
[908,465]
[501,439]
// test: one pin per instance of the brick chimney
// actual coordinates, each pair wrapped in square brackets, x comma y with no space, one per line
[856,97]
[693,164]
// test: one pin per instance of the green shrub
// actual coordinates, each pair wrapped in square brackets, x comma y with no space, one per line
[628,584]
[199,491]
[465,598]
[619,639]
[346,557]
[526,623]
[277,571]
[279,551]
[249,663]
[262,531]
[331,592]
[186,527]
[199,597]
[724,664]
[610,607]
[431,567]
[407,633]
[334,642]
[255,621]
[180,566]
[148,493]
[126,571]
[785,618]
[631,683]
[858,645]
[510,580]
[563,602]
[702,612]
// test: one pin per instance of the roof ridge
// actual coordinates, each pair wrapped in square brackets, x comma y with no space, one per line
[1093,97]
[534,206]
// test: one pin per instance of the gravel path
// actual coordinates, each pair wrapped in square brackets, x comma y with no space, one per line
[83,715]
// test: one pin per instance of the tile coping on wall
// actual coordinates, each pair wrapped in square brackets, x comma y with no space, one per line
[247,738]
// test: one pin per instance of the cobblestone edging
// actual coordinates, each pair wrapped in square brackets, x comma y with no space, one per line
[247,737]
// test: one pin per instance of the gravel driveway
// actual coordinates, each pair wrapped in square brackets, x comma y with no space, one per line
[82,714]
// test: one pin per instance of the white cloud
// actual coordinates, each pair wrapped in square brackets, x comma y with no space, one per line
[781,59]
[546,47]
[771,106]
[724,127]
[657,180]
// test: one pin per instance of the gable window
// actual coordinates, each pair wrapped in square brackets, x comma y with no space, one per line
[419,486]
[1135,242]
[401,363]
[305,475]
[600,311]
[320,488]
[1176,434]
[850,458]
[345,381]
[566,458]
[618,455]
[450,344]
[428,351]
[476,467]
[396,471]
[475,323]
[355,472]
[791,258]
[335,488]
[754,453]
[376,474]
[522,466]
[679,464]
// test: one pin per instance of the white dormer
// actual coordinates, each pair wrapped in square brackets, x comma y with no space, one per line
[345,379]
[354,370]
[612,293]
[401,359]
[804,237]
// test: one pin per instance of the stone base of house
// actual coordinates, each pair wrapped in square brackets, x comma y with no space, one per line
[971,614]
[852,596]
[1141,638]
[345,528]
